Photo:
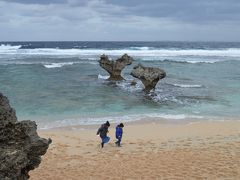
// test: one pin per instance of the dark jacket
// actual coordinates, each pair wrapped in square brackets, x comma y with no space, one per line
[102,131]
[119,132]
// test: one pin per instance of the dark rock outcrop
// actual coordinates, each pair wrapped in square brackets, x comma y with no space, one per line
[114,68]
[148,75]
[20,146]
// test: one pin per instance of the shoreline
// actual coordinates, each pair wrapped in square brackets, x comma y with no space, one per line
[143,121]
[150,150]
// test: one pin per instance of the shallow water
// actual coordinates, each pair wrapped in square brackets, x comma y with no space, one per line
[61,83]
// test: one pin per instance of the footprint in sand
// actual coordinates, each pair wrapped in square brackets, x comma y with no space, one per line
[89,144]
[132,143]
[87,152]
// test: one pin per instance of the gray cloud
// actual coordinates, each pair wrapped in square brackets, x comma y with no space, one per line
[184,10]
[120,20]
[36,1]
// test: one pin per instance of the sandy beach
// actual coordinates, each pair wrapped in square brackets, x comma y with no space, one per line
[204,150]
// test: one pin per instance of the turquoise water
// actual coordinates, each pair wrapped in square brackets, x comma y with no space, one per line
[61,83]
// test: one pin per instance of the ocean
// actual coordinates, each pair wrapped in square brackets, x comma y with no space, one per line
[59,84]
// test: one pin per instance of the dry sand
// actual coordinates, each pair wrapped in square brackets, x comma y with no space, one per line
[206,150]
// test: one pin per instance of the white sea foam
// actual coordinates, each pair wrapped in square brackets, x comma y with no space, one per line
[173,116]
[127,85]
[141,48]
[188,85]
[93,63]
[102,77]
[190,60]
[5,47]
[57,65]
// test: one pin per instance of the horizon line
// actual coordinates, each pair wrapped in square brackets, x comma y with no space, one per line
[203,41]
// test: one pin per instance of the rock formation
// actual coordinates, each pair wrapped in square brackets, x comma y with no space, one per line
[114,68]
[20,146]
[148,75]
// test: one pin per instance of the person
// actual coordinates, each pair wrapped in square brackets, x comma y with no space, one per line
[102,132]
[119,132]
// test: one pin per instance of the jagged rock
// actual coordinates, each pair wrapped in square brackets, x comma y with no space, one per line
[114,68]
[148,75]
[20,146]
[7,114]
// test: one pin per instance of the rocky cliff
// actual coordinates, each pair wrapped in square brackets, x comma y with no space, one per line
[20,146]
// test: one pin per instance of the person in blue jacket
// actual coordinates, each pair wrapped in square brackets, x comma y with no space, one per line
[119,132]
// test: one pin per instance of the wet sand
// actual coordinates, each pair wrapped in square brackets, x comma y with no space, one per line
[205,150]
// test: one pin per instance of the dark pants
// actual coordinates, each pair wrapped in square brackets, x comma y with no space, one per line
[104,140]
[118,142]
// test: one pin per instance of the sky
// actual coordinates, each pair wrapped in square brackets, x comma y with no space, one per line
[120,20]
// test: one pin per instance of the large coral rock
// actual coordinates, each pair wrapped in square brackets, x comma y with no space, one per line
[148,75]
[114,68]
[20,146]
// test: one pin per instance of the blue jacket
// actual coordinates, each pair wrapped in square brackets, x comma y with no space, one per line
[119,132]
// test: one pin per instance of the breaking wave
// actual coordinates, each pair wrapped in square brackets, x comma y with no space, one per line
[133,51]
[57,65]
[5,47]
[187,85]
[12,53]
[141,48]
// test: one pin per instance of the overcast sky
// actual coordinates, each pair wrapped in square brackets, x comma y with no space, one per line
[147,20]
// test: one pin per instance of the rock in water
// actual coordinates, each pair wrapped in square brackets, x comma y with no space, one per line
[148,75]
[114,68]
[20,146]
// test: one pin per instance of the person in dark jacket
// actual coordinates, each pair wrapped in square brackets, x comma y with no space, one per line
[119,132]
[102,132]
